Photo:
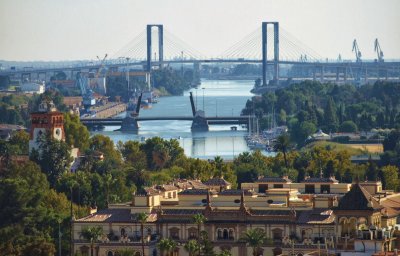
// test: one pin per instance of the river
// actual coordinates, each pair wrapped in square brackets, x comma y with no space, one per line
[218,98]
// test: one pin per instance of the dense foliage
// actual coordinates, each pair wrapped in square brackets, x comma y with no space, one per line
[166,80]
[308,106]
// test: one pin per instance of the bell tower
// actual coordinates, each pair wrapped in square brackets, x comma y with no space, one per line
[46,121]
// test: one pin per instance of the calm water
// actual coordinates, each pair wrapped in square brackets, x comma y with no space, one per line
[221,98]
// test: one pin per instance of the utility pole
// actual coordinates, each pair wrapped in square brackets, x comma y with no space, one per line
[182,63]
[127,73]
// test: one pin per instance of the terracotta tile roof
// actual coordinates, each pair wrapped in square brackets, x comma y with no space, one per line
[166,187]
[151,191]
[357,199]
[217,182]
[233,192]
[273,179]
[320,180]
[197,184]
[195,192]
[316,216]
[108,215]
[270,212]
[181,211]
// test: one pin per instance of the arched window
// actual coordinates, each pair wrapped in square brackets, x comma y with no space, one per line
[149,231]
[219,233]
[123,232]
[226,234]
[137,253]
[110,253]
[231,234]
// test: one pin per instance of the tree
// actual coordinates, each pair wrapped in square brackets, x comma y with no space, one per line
[282,144]
[76,134]
[331,119]
[192,247]
[225,253]
[372,171]
[348,126]
[199,219]
[106,146]
[142,219]
[21,140]
[254,238]
[206,245]
[54,158]
[166,245]
[390,178]
[92,234]
[132,154]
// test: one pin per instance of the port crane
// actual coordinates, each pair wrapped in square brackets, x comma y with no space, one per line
[378,51]
[87,93]
[94,82]
[357,51]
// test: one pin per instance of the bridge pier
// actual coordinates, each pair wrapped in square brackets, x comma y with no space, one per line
[200,123]
[129,124]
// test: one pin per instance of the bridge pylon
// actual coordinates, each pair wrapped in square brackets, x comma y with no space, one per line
[264,29]
[160,29]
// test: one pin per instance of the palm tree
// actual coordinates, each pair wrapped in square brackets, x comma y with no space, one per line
[254,238]
[199,219]
[192,247]
[142,218]
[92,234]
[166,245]
[225,253]
[218,163]
[282,144]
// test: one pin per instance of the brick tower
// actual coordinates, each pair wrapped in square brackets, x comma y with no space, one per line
[46,120]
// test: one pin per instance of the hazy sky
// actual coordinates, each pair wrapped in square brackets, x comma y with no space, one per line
[82,29]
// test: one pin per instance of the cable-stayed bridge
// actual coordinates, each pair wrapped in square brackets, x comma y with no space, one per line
[269,45]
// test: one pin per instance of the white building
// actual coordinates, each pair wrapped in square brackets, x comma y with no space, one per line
[31,87]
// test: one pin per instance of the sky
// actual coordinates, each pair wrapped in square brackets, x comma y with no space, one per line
[53,30]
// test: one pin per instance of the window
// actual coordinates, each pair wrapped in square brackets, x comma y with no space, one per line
[174,233]
[219,234]
[110,253]
[277,234]
[123,232]
[325,189]
[225,234]
[310,189]
[262,188]
[278,185]
[192,233]
[231,234]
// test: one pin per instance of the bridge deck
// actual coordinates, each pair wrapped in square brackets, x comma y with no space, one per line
[216,120]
